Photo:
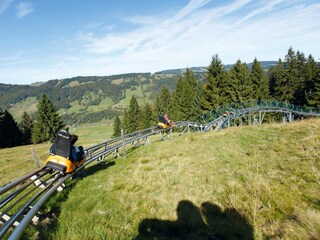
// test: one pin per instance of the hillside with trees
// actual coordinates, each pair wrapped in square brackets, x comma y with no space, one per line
[89,99]
[294,80]
[135,100]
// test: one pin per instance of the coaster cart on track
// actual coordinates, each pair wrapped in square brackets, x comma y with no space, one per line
[164,122]
[65,157]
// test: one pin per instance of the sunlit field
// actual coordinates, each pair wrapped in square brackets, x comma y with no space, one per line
[257,182]
[17,161]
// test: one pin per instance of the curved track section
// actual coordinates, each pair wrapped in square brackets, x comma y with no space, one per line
[21,200]
[254,111]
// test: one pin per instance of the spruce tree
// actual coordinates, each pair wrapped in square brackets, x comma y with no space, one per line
[1,127]
[292,82]
[134,116]
[240,83]
[279,88]
[164,101]
[148,118]
[47,121]
[301,84]
[188,95]
[178,101]
[212,89]
[187,98]
[313,96]
[194,95]
[125,121]
[10,135]
[260,83]
[25,127]
[117,127]
[196,107]
[312,78]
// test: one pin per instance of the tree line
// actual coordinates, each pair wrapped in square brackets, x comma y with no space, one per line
[43,128]
[295,80]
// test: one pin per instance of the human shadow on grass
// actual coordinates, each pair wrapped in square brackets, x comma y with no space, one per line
[48,219]
[207,222]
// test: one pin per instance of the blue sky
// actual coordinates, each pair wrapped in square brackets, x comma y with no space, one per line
[43,40]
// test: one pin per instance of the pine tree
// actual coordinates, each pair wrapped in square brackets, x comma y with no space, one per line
[164,101]
[301,84]
[278,82]
[178,101]
[10,135]
[125,121]
[1,127]
[313,96]
[25,127]
[134,116]
[292,81]
[240,82]
[212,92]
[47,121]
[188,95]
[117,127]
[187,98]
[260,83]
[148,117]
[194,96]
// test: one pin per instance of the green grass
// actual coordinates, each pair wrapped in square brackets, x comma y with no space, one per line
[137,93]
[28,105]
[90,134]
[75,108]
[260,182]
[103,105]
[241,183]
[17,161]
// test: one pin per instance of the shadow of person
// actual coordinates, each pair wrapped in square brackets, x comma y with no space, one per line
[206,222]
[227,223]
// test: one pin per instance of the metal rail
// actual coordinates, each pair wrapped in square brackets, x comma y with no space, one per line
[19,181]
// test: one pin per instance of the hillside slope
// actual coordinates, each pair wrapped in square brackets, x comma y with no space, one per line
[80,98]
[87,95]
[256,182]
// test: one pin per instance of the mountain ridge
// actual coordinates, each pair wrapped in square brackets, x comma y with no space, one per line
[81,95]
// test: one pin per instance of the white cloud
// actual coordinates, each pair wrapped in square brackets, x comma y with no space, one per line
[4,5]
[24,8]
[192,35]
[241,29]
[191,7]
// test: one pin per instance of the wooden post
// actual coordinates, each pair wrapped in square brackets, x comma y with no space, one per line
[123,145]
[35,157]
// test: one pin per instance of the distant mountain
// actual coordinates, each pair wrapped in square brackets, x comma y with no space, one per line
[266,65]
[87,99]
[91,98]
[181,70]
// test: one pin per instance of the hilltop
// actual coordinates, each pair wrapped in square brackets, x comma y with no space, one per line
[256,182]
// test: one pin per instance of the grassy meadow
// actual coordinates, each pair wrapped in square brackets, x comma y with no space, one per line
[17,161]
[257,182]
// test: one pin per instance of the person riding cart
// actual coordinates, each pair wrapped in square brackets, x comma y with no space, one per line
[164,121]
[63,144]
